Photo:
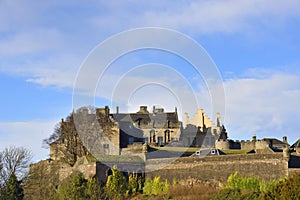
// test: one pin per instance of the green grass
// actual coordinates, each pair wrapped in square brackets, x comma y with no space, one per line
[116,158]
[178,149]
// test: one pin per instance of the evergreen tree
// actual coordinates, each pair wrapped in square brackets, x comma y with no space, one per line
[12,190]
[116,184]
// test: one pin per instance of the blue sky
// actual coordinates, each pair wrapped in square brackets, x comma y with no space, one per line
[255,45]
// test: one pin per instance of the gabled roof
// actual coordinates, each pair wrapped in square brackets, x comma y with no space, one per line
[146,117]
[296,144]
[274,141]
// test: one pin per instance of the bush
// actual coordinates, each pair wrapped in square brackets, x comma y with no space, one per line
[76,186]
[155,186]
[234,181]
[116,184]
[252,188]
[285,189]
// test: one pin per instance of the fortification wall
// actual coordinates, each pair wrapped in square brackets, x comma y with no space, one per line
[247,145]
[260,144]
[218,168]
[222,144]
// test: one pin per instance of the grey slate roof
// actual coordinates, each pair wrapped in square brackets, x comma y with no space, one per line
[296,144]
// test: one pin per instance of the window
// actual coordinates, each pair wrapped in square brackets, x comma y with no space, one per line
[130,140]
[106,146]
[213,151]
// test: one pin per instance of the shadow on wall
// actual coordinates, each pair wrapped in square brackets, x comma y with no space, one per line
[294,161]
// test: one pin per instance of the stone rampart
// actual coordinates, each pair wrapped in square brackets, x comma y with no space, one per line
[269,166]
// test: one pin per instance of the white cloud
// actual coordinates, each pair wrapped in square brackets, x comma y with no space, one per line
[267,106]
[28,134]
[200,16]
[45,35]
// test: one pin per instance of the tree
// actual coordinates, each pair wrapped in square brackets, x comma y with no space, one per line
[53,137]
[116,184]
[14,161]
[65,133]
[75,186]
[12,190]
[14,165]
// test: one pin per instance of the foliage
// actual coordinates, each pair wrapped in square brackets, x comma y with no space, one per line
[12,190]
[252,188]
[156,186]
[133,184]
[14,160]
[77,187]
[116,184]
[236,182]
[65,133]
[14,165]
[285,189]
[93,190]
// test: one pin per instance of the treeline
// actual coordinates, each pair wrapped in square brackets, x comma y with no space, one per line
[238,187]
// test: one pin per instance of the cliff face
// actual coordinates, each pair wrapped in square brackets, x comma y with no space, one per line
[43,180]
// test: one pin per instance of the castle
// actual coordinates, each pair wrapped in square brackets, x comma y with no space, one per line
[106,133]
[93,141]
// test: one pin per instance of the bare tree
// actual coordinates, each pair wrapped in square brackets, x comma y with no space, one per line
[53,137]
[14,161]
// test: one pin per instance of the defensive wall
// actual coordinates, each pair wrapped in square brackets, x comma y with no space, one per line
[218,168]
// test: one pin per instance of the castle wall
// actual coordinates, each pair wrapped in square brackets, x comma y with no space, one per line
[247,145]
[261,144]
[222,144]
[218,168]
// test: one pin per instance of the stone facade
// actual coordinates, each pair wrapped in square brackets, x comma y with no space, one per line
[200,130]
[157,127]
[219,168]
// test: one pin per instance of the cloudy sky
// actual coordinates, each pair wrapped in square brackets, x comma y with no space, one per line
[255,46]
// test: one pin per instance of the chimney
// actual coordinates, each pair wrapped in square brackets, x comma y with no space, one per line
[284,139]
[117,109]
[254,138]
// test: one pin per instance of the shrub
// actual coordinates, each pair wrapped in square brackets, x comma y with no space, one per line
[155,186]
[76,186]
[234,181]
[285,189]
[116,184]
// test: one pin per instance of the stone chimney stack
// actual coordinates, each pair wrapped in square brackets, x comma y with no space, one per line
[143,109]
[284,139]
[254,138]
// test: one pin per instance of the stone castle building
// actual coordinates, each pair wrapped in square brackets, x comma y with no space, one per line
[93,141]
[155,128]
[201,131]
